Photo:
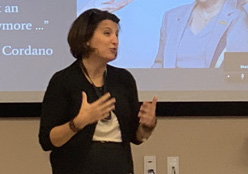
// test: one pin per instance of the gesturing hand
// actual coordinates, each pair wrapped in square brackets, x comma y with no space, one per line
[92,112]
[147,113]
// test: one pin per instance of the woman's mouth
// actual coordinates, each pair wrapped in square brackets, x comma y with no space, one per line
[113,50]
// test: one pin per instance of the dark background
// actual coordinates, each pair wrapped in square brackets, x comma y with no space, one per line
[164,109]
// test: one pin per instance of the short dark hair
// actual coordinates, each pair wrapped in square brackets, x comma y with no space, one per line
[83,28]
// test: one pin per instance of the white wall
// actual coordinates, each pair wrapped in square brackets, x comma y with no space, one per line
[204,146]
[20,152]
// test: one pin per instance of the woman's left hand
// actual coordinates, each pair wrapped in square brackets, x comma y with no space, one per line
[147,113]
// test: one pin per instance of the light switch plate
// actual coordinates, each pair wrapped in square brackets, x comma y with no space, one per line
[173,165]
[149,164]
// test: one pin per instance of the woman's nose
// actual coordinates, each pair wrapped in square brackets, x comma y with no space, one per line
[115,40]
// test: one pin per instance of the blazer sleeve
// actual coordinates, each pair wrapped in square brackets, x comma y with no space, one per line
[162,41]
[54,110]
[134,108]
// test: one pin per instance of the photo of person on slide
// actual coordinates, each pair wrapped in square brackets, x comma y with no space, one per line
[108,5]
[196,35]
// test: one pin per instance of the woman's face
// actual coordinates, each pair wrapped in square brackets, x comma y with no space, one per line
[105,40]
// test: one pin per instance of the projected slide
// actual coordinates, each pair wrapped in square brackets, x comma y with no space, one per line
[33,42]
[185,50]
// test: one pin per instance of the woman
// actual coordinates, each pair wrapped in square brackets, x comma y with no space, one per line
[90,112]
[197,34]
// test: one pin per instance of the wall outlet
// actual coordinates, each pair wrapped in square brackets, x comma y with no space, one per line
[149,164]
[172,165]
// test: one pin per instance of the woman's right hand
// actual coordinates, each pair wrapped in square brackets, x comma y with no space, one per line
[92,112]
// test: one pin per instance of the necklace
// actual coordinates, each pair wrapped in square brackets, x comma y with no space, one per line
[100,91]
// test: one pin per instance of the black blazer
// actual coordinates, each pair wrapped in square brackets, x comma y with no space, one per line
[62,102]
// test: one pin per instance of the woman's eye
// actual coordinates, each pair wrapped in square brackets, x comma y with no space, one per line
[107,33]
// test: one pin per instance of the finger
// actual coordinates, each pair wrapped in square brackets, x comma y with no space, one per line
[103,98]
[106,112]
[109,102]
[84,96]
[146,120]
[154,103]
[145,107]
[141,114]
[108,105]
[141,120]
[105,115]
[145,115]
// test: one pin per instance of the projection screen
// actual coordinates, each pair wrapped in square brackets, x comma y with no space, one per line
[169,50]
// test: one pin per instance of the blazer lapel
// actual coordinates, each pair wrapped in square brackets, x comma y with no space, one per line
[227,14]
[179,22]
